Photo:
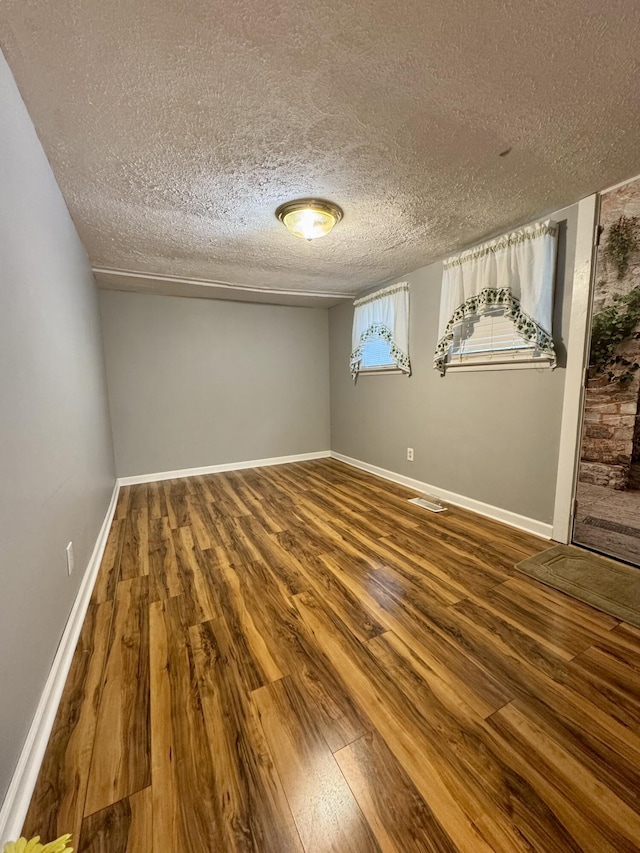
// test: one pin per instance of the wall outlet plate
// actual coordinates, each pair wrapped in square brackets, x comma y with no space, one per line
[70,560]
[410,454]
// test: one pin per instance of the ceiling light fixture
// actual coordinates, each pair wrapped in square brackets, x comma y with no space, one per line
[309,217]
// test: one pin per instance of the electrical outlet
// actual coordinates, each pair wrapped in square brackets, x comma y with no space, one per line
[70,560]
[410,454]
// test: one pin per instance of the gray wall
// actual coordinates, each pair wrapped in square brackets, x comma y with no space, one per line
[196,382]
[492,436]
[56,455]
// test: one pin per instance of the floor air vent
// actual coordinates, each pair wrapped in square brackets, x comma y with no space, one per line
[427,502]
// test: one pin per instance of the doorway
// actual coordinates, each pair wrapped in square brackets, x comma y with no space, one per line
[607,517]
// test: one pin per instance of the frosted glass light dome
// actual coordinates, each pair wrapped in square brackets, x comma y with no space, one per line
[309,218]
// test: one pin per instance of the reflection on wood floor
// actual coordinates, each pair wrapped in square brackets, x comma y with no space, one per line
[296,659]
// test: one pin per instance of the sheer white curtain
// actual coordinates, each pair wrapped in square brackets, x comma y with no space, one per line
[383,314]
[516,272]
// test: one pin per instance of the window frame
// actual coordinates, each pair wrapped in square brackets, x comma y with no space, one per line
[392,370]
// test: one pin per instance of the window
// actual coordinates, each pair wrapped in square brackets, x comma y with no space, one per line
[492,341]
[496,304]
[376,357]
[380,334]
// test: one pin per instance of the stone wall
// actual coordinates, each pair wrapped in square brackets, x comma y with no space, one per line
[609,426]
[611,432]
[625,201]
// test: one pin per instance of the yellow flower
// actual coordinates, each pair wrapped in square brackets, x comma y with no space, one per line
[34,846]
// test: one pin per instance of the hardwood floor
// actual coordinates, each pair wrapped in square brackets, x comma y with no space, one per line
[296,659]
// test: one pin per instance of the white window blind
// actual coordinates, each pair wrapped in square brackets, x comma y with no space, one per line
[376,355]
[491,339]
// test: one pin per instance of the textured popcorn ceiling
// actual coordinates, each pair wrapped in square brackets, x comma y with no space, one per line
[176,128]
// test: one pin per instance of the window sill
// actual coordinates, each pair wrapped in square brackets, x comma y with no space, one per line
[381,371]
[511,364]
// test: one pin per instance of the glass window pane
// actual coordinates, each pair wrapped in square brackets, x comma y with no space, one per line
[376,353]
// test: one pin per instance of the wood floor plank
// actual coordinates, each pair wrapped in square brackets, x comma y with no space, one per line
[619,772]
[237,543]
[109,574]
[226,495]
[165,579]
[513,814]
[388,710]
[200,488]
[402,822]
[296,658]
[139,496]
[480,773]
[594,798]
[283,565]
[255,812]
[141,830]
[107,831]
[120,763]
[134,562]
[479,688]
[333,591]
[565,608]
[582,831]
[258,663]
[199,596]
[57,804]
[175,495]
[265,514]
[243,486]
[612,677]
[200,523]
[124,500]
[526,668]
[123,827]
[478,571]
[309,510]
[291,645]
[412,567]
[187,810]
[326,813]
[565,638]
[157,501]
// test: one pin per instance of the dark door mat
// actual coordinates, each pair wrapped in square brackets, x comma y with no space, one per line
[605,524]
[606,584]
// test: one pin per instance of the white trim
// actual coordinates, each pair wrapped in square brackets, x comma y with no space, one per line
[509,364]
[522,522]
[382,371]
[18,796]
[217,469]
[204,282]
[571,424]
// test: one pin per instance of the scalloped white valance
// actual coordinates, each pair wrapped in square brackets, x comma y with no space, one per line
[515,271]
[383,314]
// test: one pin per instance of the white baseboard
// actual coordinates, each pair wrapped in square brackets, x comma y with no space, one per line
[217,469]
[531,525]
[16,802]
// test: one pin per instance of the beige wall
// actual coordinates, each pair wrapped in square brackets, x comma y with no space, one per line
[197,382]
[491,436]
[56,456]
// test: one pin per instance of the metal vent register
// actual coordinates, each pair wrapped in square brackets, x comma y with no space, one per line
[428,502]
